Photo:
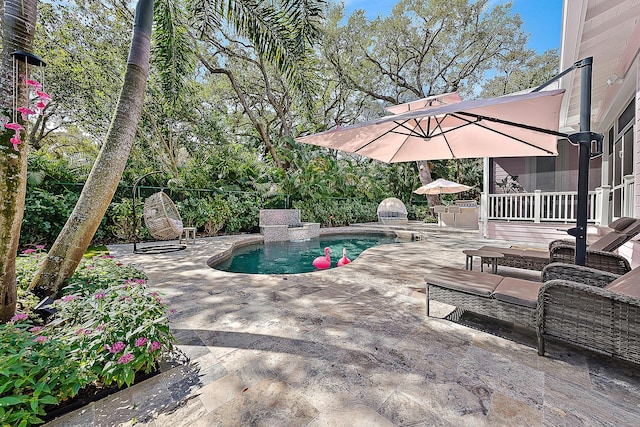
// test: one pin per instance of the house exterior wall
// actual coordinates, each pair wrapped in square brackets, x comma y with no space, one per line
[505,167]
[631,250]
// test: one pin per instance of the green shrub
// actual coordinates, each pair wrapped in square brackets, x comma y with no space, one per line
[108,327]
[44,216]
[120,221]
[245,212]
[35,371]
[336,212]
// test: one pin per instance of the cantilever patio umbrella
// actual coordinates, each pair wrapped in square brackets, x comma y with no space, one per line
[442,186]
[508,126]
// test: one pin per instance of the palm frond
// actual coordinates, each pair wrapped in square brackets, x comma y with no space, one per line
[173,53]
[282,32]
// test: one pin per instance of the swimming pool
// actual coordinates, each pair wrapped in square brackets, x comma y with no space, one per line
[297,257]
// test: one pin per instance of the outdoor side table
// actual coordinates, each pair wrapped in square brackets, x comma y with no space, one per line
[188,233]
[493,256]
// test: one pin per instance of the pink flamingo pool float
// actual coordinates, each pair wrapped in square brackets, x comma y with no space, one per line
[323,262]
[344,260]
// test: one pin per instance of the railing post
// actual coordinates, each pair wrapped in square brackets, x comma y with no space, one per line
[537,205]
[484,214]
[602,205]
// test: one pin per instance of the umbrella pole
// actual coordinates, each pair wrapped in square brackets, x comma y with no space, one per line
[584,138]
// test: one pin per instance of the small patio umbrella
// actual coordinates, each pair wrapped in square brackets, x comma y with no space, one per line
[442,186]
[508,126]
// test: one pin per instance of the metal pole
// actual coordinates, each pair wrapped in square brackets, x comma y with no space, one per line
[580,232]
[133,208]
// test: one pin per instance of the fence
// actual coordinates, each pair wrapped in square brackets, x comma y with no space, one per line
[539,206]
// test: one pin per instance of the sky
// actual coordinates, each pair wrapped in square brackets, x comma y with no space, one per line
[542,18]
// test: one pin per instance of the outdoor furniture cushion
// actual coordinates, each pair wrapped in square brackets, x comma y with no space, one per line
[629,284]
[472,282]
[609,242]
[632,229]
[518,291]
[621,223]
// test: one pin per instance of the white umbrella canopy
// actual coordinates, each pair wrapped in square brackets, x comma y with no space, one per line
[508,126]
[442,186]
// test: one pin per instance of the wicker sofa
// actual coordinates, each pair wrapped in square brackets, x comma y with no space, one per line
[599,254]
[589,308]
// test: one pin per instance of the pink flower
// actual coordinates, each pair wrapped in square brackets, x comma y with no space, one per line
[16,141]
[36,329]
[125,358]
[43,95]
[141,341]
[69,297]
[117,347]
[14,126]
[99,295]
[106,347]
[155,345]
[172,311]
[40,338]
[41,106]
[40,247]
[100,327]
[140,281]
[28,251]
[80,331]
[18,317]
[26,112]
[33,83]
[119,264]
[90,267]
[107,256]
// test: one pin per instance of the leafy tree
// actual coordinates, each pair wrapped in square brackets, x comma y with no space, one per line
[83,44]
[423,48]
[260,22]
[520,71]
[18,24]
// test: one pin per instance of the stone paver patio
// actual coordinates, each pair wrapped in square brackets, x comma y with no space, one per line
[352,347]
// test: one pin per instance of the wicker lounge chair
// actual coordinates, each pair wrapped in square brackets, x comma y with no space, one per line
[599,253]
[582,306]
[505,298]
[593,310]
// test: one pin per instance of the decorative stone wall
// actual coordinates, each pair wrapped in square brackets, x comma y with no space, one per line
[281,225]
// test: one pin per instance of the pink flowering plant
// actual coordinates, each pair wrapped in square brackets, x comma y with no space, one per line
[123,328]
[108,327]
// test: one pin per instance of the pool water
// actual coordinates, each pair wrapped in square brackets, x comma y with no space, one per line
[297,257]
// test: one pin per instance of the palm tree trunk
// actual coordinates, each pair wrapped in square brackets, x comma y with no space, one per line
[18,28]
[76,235]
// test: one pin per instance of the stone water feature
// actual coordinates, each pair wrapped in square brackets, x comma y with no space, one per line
[280,225]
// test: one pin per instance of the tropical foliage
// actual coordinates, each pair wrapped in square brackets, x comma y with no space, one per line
[226,95]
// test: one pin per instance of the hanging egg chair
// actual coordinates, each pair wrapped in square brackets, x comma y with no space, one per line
[161,217]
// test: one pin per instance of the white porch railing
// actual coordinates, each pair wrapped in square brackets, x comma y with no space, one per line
[539,206]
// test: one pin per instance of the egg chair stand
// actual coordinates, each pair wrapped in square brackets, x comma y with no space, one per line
[161,218]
